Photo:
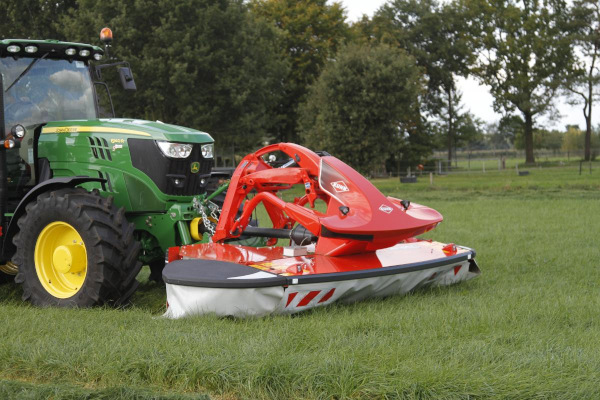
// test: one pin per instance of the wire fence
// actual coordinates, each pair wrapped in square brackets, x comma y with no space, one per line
[488,161]
[476,161]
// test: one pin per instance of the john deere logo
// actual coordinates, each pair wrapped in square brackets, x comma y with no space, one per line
[195,167]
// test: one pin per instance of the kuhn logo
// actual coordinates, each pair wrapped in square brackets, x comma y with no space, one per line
[385,209]
[340,186]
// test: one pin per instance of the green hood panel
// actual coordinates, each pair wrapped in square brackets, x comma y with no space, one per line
[131,128]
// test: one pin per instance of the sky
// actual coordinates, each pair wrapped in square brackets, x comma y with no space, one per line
[477,98]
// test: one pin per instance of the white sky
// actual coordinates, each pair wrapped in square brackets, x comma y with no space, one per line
[476,97]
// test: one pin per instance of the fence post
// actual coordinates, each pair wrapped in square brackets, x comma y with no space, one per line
[431,178]
[484,166]
[517,168]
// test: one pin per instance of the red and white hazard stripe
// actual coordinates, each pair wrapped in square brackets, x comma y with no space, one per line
[303,299]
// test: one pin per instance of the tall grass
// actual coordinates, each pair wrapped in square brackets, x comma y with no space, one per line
[528,327]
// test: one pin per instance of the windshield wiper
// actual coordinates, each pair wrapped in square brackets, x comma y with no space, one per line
[25,71]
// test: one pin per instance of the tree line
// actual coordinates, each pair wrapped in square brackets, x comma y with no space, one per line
[380,93]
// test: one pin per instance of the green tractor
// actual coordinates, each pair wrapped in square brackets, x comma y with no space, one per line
[86,201]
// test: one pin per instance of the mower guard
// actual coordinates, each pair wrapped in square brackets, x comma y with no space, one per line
[239,281]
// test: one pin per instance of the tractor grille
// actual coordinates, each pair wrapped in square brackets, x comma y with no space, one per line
[173,176]
[100,148]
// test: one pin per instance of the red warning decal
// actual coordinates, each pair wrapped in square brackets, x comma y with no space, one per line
[290,298]
[327,296]
[308,298]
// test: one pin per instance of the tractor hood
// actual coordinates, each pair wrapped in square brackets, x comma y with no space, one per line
[133,127]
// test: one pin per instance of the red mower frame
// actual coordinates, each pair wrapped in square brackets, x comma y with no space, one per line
[358,219]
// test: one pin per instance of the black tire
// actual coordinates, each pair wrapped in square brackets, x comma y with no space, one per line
[112,264]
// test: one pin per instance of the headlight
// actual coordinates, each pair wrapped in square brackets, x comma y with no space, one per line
[13,48]
[84,53]
[207,150]
[18,131]
[70,51]
[175,150]
[30,49]
[97,56]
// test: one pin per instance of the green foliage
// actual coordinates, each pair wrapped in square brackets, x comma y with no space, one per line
[524,51]
[542,138]
[574,140]
[433,34]
[311,33]
[364,108]
[34,19]
[545,139]
[456,127]
[199,63]
[506,133]
[469,130]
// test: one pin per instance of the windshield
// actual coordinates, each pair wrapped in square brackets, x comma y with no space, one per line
[52,90]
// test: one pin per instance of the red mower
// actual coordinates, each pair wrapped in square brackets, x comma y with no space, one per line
[362,244]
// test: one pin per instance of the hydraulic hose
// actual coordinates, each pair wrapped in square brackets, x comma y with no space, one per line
[299,235]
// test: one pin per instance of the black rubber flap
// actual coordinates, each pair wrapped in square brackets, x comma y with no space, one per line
[218,274]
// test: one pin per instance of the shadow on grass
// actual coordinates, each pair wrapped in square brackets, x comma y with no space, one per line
[150,296]
[11,293]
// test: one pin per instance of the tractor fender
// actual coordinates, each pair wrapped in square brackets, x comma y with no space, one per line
[45,186]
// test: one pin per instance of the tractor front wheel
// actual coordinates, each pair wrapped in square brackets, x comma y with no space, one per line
[75,249]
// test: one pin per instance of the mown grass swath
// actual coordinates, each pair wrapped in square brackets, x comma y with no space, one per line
[527,328]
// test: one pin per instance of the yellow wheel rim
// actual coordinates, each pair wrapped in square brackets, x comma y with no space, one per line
[60,259]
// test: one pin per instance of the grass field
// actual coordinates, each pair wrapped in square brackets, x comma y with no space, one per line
[528,327]
[492,164]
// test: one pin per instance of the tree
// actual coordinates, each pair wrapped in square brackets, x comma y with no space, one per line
[364,108]
[206,64]
[507,132]
[523,53]
[573,139]
[34,19]
[311,33]
[551,140]
[585,76]
[469,130]
[434,34]
[460,128]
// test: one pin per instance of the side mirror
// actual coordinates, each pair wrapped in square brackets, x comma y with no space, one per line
[127,78]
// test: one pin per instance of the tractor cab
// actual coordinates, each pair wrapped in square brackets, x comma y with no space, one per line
[43,81]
